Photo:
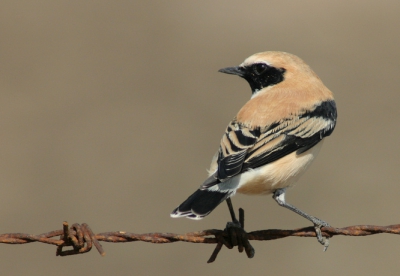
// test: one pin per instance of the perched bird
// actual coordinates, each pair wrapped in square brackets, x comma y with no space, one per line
[272,140]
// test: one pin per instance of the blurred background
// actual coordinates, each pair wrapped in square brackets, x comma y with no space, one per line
[111,111]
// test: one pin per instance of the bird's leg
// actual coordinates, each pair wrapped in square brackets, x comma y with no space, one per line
[231,211]
[234,229]
[279,196]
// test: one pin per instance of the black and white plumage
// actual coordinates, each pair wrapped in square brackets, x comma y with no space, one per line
[273,138]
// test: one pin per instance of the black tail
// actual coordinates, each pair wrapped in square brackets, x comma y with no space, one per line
[200,204]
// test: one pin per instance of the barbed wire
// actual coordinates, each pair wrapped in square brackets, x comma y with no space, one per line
[82,238]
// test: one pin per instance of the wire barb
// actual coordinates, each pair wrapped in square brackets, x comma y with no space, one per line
[82,238]
[233,235]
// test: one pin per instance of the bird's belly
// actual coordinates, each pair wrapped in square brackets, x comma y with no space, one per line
[279,174]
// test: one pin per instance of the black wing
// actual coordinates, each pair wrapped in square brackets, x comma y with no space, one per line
[242,148]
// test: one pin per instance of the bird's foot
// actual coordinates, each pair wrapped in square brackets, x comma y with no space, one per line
[237,236]
[318,224]
[234,235]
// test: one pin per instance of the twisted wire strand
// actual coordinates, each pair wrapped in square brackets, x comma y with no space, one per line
[82,238]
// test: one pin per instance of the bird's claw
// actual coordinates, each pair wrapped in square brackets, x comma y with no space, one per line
[237,236]
[234,235]
[321,239]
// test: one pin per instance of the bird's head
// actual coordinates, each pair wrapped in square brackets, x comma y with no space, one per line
[267,69]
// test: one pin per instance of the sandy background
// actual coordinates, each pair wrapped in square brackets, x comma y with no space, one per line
[110,112]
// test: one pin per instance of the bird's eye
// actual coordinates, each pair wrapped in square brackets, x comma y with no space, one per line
[260,68]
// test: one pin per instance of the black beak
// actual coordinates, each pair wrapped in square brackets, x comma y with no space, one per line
[239,71]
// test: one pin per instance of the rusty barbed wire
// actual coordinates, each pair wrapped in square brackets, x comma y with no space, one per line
[82,238]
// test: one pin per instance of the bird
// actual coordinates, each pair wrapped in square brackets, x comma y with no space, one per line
[273,138]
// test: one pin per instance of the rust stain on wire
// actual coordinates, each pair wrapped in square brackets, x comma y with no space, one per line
[81,238]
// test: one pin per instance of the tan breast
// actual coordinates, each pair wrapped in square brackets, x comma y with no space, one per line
[279,174]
